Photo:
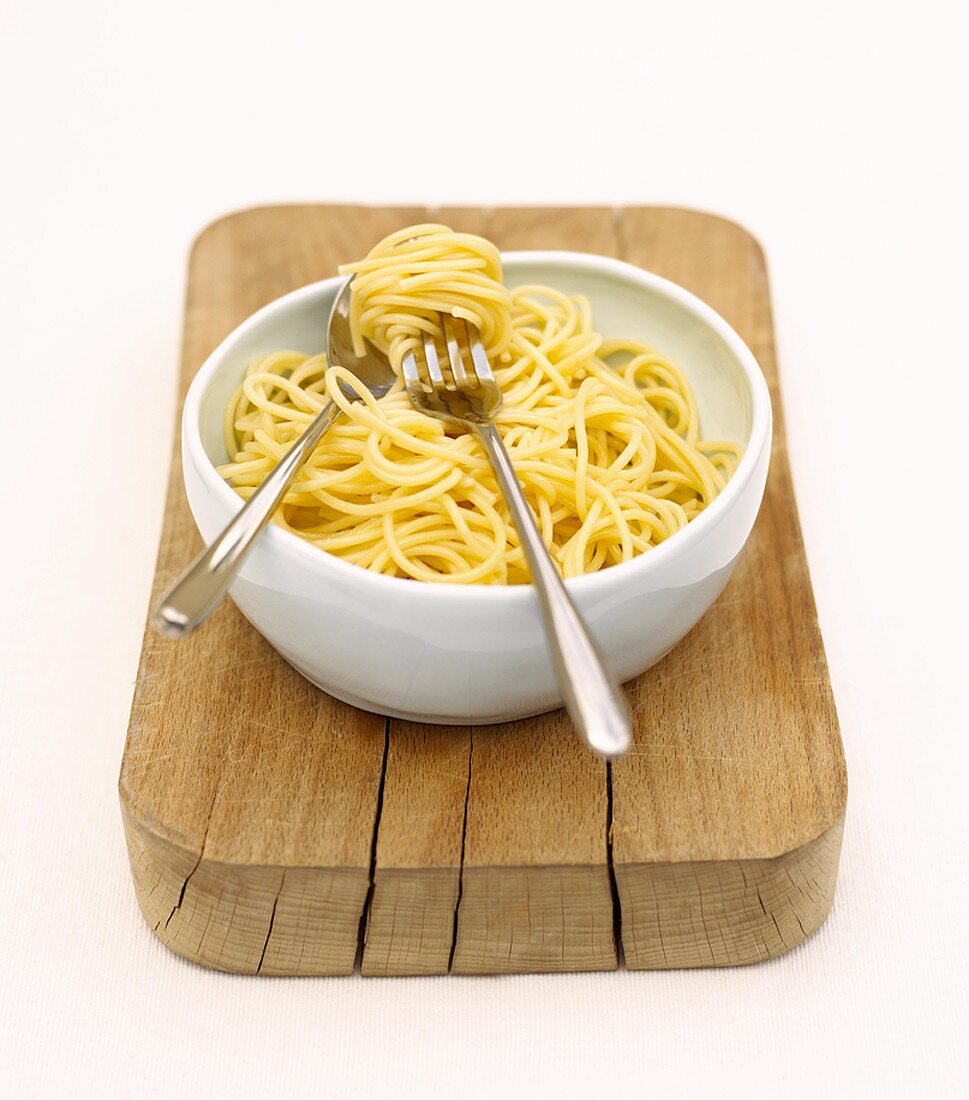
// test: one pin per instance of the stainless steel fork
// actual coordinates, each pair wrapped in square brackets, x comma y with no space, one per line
[468,395]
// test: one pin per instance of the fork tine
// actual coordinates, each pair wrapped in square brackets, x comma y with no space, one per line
[433,363]
[412,376]
[479,356]
[454,355]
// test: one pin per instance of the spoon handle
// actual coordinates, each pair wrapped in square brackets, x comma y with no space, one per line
[199,590]
[592,696]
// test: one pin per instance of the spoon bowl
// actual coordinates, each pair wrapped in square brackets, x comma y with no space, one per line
[372,368]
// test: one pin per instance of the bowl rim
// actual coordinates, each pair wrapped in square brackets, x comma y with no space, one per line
[282,543]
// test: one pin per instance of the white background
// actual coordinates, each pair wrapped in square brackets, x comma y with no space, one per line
[835,133]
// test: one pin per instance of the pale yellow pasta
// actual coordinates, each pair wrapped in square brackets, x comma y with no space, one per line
[419,272]
[603,434]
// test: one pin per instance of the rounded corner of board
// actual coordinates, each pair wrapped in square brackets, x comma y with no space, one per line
[726,225]
[227,221]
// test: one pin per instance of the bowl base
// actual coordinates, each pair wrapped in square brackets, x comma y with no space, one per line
[416,716]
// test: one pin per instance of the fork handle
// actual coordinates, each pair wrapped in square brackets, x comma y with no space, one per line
[200,589]
[592,696]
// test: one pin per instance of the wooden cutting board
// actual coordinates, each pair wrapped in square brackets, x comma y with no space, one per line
[274,830]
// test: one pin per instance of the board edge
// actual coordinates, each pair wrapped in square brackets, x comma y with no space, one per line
[737,912]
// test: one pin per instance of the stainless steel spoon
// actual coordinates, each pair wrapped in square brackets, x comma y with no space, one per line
[199,590]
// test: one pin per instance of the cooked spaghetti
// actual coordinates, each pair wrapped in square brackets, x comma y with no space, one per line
[603,434]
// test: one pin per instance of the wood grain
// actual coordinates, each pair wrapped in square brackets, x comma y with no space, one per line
[251,800]
[738,757]
[249,796]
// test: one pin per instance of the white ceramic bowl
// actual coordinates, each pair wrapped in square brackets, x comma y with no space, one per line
[477,654]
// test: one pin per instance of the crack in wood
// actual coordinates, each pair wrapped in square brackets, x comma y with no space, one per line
[198,863]
[464,835]
[613,884]
[372,883]
[272,921]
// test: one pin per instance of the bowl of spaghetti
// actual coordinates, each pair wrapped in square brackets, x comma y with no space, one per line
[639,425]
